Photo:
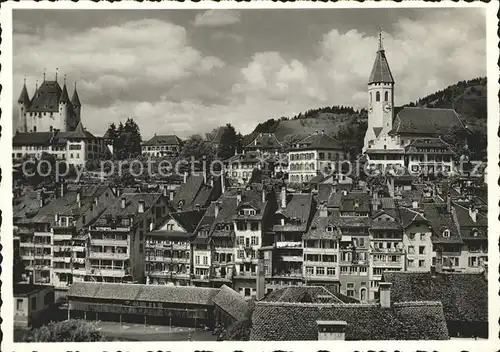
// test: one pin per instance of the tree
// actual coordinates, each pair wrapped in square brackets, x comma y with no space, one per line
[126,139]
[229,142]
[195,147]
[65,331]
[290,140]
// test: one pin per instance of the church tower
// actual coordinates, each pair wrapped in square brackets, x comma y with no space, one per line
[380,98]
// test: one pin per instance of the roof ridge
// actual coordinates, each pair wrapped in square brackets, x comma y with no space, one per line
[315,304]
[418,303]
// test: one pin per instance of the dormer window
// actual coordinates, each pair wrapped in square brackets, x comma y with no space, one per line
[475,232]
[446,233]
[329,229]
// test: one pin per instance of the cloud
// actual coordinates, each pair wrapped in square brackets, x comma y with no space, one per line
[224,36]
[217,18]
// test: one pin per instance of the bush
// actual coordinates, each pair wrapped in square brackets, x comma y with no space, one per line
[65,331]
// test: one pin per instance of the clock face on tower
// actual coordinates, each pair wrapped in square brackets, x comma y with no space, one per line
[387,107]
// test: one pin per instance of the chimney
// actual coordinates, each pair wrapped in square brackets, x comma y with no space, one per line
[62,189]
[385,294]
[141,205]
[164,191]
[96,200]
[41,199]
[414,204]
[329,330]
[264,194]
[205,177]
[323,211]
[56,219]
[151,226]
[123,202]
[322,131]
[171,195]
[261,276]
[217,209]
[212,182]
[185,176]
[118,192]
[283,197]
[238,197]
[473,213]
[79,198]
[222,186]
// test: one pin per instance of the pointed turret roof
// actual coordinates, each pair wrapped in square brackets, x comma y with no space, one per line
[381,73]
[75,100]
[64,95]
[24,97]
[80,133]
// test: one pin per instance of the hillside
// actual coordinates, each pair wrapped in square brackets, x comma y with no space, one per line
[468,98]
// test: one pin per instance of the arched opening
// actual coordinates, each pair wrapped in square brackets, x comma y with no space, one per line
[362,294]
[377,96]
[386,96]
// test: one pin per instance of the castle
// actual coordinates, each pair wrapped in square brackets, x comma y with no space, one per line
[49,109]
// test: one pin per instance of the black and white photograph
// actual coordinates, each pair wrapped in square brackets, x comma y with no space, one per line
[250,174]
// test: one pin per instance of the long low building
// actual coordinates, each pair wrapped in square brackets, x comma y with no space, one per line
[148,304]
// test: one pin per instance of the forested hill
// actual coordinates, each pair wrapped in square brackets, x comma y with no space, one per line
[468,98]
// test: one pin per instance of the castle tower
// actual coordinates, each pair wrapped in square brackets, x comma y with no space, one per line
[77,107]
[65,108]
[23,104]
[380,98]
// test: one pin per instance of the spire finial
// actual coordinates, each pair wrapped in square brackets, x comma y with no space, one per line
[36,86]
[24,79]
[64,79]
[57,69]
[44,74]
[380,46]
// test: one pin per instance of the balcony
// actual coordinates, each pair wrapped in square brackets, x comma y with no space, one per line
[246,274]
[288,244]
[27,256]
[109,242]
[168,260]
[318,263]
[27,244]
[169,274]
[177,247]
[105,255]
[293,275]
[451,254]
[384,264]
[314,250]
[113,272]
[291,258]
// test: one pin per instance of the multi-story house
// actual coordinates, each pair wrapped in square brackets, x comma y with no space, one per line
[161,145]
[386,246]
[417,239]
[314,154]
[168,249]
[240,167]
[473,228]
[353,218]
[264,143]
[254,205]
[117,237]
[429,156]
[196,192]
[291,222]
[384,153]
[321,251]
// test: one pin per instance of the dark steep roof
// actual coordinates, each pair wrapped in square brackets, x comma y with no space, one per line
[278,321]
[64,98]
[264,140]
[75,99]
[24,98]
[80,133]
[164,140]
[464,296]
[429,121]
[440,219]
[318,141]
[46,97]
[231,302]
[381,73]
[188,219]
[298,208]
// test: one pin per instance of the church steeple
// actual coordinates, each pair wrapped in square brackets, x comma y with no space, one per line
[24,98]
[75,100]
[381,73]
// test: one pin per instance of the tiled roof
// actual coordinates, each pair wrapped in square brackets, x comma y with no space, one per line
[381,73]
[422,145]
[189,193]
[163,140]
[428,121]
[318,141]
[302,294]
[137,292]
[348,202]
[24,98]
[131,205]
[80,133]
[75,99]
[468,228]
[188,219]
[231,302]
[318,228]
[278,321]
[408,216]
[264,140]
[464,296]
[27,205]
[350,221]
[46,98]
[440,219]
[299,208]
[39,138]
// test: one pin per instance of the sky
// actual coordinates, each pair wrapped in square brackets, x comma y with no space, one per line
[188,71]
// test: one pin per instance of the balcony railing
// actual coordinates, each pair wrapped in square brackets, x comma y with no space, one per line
[171,274]
[168,260]
[380,263]
[291,258]
[246,274]
[112,271]
[108,241]
[105,255]
[289,244]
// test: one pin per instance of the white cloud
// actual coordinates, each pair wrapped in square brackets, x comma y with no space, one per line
[217,18]
[224,36]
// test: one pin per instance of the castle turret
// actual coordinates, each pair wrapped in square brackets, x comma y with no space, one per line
[77,106]
[380,98]
[64,108]
[23,103]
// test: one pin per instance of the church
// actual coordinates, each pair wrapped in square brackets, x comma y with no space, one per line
[411,138]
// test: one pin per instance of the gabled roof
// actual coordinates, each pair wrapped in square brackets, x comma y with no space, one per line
[231,302]
[188,219]
[299,207]
[318,141]
[409,216]
[279,321]
[381,73]
[433,122]
[39,138]
[64,98]
[422,145]
[80,133]
[263,141]
[464,296]
[348,202]
[24,98]
[218,135]
[193,192]
[163,140]
[468,228]
[46,97]
[440,219]
[320,226]
[306,294]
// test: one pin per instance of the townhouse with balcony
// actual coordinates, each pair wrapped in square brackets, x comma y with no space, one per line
[291,222]
[254,206]
[316,153]
[168,249]
[353,219]
[429,156]
[417,239]
[386,246]
[117,237]
[321,251]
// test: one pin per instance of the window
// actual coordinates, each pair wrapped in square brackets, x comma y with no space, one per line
[241,240]
[412,235]
[421,249]
[241,254]
[421,263]
[411,263]
[255,241]
[377,96]
[205,260]
[411,249]
[446,233]
[254,226]
[309,270]
[248,292]
[19,304]
[330,271]
[33,303]
[141,248]
[197,260]
[361,242]
[320,271]
[386,96]
[422,237]
[241,226]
